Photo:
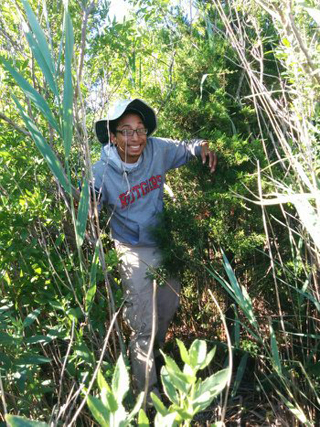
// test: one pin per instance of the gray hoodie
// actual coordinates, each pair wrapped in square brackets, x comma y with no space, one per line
[134,196]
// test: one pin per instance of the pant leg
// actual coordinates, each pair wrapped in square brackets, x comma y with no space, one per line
[168,297]
[138,311]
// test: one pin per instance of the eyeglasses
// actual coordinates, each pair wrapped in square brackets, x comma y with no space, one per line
[130,132]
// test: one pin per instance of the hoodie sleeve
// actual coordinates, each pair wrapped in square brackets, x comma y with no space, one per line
[178,153]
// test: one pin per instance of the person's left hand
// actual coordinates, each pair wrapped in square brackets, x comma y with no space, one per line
[206,152]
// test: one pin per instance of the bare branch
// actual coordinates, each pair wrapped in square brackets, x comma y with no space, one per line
[13,124]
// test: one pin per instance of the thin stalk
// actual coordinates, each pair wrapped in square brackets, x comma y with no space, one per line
[224,409]
[152,338]
[95,373]
[4,404]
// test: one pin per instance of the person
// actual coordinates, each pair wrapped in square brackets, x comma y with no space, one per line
[129,180]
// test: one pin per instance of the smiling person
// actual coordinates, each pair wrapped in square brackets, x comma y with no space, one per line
[129,181]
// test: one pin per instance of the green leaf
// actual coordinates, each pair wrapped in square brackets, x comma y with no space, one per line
[168,388]
[143,420]
[32,94]
[102,383]
[99,411]
[31,318]
[120,380]
[106,394]
[240,371]
[179,380]
[208,358]
[166,420]
[209,388]
[197,353]
[82,351]
[158,404]
[296,410]
[93,277]
[137,407]
[7,339]
[46,151]
[38,339]
[68,89]
[39,36]
[81,222]
[34,46]
[16,421]
[183,352]
[5,361]
[240,294]
[32,359]
[275,352]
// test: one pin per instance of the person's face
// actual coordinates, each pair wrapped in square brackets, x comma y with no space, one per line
[129,147]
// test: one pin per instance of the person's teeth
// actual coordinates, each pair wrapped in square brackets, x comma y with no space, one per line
[135,146]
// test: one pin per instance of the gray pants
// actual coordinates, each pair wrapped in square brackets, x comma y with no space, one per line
[138,311]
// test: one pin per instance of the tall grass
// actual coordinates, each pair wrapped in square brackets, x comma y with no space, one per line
[48,117]
[288,118]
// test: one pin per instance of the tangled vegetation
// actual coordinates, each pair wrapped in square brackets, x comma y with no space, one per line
[245,242]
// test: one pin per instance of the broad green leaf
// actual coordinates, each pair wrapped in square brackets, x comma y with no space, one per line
[39,36]
[211,387]
[136,407]
[83,210]
[38,339]
[168,388]
[82,351]
[158,404]
[275,352]
[183,352]
[106,394]
[208,358]
[68,89]
[240,293]
[119,418]
[179,380]
[34,46]
[108,398]
[7,339]
[46,151]
[102,383]
[99,411]
[31,318]
[16,421]
[109,401]
[198,353]
[5,361]
[32,94]
[143,420]
[165,421]
[32,359]
[120,380]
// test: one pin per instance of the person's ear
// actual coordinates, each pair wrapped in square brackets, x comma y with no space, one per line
[113,138]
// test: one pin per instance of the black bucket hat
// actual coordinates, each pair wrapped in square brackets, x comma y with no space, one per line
[121,107]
